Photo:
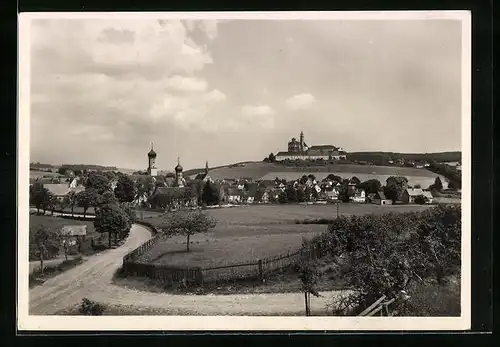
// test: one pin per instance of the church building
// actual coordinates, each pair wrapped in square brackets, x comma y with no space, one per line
[299,150]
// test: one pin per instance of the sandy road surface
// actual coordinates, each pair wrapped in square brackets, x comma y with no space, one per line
[93,279]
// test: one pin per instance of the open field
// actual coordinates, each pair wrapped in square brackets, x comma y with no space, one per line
[37,174]
[253,232]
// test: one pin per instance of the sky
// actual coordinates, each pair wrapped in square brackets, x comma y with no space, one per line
[236,90]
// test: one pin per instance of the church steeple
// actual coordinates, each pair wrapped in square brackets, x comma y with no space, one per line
[206,167]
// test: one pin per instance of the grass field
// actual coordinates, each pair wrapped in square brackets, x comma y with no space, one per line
[247,233]
[37,174]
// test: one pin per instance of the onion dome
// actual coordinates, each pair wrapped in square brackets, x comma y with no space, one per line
[178,168]
[152,153]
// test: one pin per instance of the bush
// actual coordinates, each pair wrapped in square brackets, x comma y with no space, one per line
[91,308]
[384,253]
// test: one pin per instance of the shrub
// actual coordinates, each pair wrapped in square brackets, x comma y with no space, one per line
[384,253]
[91,308]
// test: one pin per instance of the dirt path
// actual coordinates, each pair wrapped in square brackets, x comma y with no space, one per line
[93,280]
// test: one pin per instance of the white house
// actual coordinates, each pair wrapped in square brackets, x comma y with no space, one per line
[359,196]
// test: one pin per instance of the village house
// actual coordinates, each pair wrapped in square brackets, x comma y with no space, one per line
[410,194]
[233,195]
[380,199]
[359,196]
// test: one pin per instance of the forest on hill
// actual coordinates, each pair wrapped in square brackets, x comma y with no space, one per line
[386,156]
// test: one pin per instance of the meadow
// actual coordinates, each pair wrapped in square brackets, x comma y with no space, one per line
[38,174]
[248,233]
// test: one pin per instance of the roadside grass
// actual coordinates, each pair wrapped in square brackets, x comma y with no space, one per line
[37,278]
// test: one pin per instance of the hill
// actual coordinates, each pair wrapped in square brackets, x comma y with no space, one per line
[269,171]
[376,157]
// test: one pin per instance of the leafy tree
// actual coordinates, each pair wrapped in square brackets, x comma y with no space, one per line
[98,181]
[187,223]
[311,177]
[355,180]
[62,170]
[210,194]
[309,275]
[125,190]
[334,178]
[421,199]
[84,199]
[417,186]
[64,203]
[111,219]
[72,200]
[291,194]
[39,197]
[107,197]
[371,186]
[301,195]
[394,187]
[272,158]
[44,243]
[438,185]
[282,198]
[132,216]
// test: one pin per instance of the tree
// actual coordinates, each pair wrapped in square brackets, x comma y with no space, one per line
[99,182]
[301,195]
[272,158]
[113,220]
[309,275]
[64,203]
[371,186]
[62,170]
[107,197]
[210,194]
[44,243]
[421,199]
[187,223]
[125,190]
[291,194]
[417,186]
[72,200]
[394,187]
[84,199]
[438,185]
[355,180]
[39,196]
[334,177]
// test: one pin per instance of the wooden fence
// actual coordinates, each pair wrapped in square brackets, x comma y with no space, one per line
[257,269]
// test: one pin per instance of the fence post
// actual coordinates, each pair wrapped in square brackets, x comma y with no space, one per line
[261,275]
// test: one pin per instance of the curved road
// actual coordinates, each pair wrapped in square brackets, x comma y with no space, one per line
[93,280]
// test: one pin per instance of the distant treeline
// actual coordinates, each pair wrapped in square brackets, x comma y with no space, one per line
[81,167]
[386,156]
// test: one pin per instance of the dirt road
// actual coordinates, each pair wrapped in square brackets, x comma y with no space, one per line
[93,280]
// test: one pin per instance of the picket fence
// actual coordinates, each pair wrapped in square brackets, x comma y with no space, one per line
[257,269]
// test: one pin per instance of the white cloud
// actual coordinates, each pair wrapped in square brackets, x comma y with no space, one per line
[214,96]
[186,84]
[260,110]
[300,101]
[209,27]
[262,115]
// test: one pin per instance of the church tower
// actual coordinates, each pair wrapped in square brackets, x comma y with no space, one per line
[206,167]
[179,181]
[152,162]
[301,141]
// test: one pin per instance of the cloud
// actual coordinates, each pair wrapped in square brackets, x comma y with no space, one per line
[261,110]
[186,84]
[300,101]
[116,72]
[262,115]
